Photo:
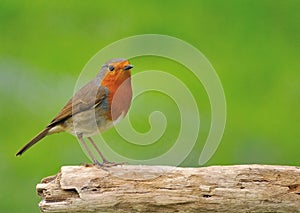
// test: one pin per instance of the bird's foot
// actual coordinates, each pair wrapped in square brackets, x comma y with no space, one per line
[108,163]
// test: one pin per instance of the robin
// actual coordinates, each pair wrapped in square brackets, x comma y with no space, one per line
[96,107]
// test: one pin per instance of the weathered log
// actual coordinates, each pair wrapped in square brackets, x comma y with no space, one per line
[129,188]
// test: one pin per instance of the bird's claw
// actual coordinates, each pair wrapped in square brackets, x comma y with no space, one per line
[108,164]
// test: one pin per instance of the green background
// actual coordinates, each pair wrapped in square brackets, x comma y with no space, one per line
[253,46]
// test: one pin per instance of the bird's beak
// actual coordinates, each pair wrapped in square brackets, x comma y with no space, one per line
[128,67]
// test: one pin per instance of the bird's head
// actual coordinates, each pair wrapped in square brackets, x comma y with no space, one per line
[115,71]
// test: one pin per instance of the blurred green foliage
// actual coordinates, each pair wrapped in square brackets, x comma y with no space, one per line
[252,44]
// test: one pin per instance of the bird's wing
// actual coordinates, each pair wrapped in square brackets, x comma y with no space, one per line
[86,98]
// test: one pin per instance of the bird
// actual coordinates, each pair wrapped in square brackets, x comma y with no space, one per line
[94,108]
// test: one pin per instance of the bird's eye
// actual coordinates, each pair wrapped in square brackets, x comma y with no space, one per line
[111,68]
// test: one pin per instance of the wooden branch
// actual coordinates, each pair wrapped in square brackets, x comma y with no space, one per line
[242,188]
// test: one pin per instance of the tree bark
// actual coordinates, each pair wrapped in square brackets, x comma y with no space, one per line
[131,188]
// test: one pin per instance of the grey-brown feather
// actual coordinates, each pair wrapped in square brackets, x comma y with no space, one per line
[37,138]
[86,98]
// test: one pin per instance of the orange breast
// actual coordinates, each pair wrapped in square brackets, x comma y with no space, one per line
[120,93]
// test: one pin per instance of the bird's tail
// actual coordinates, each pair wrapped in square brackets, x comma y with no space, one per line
[36,139]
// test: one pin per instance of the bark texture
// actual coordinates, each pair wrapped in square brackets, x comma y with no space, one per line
[131,188]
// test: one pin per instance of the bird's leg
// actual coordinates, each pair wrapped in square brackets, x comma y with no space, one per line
[105,161]
[79,136]
[98,150]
